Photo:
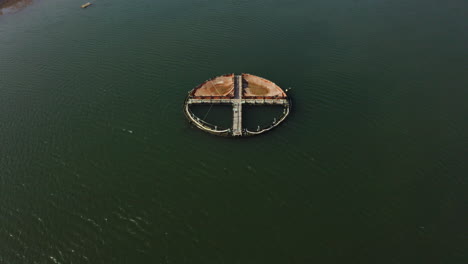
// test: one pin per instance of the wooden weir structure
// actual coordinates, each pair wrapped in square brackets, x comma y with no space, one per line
[236,90]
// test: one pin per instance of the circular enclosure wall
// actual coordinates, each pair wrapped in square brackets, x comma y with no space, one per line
[236,91]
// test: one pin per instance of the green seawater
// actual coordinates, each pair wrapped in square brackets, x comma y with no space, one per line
[99,165]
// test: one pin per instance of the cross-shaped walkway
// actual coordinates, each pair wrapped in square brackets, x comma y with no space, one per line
[237,107]
[237,101]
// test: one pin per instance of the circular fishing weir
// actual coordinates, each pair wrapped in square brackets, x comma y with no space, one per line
[236,90]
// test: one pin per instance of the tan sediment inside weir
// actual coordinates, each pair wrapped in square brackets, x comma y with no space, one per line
[257,86]
[219,86]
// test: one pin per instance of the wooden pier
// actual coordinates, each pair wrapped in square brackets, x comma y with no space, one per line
[237,107]
[262,101]
[236,99]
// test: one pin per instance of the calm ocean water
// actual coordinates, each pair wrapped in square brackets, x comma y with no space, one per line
[99,165]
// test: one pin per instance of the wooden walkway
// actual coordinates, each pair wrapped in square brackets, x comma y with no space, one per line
[243,101]
[237,101]
[237,107]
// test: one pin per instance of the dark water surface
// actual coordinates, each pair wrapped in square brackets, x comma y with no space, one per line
[98,164]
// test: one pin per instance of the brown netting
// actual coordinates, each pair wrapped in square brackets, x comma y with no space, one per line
[219,86]
[259,87]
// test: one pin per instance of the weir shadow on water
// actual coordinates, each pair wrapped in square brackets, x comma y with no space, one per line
[258,117]
[254,117]
[218,115]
